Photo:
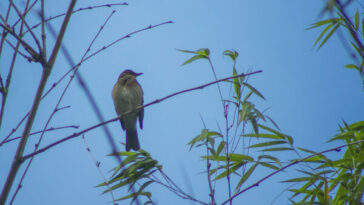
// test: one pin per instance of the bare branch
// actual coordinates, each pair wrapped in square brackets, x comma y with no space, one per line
[78,10]
[26,25]
[20,150]
[47,130]
[137,108]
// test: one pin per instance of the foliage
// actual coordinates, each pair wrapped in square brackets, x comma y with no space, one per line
[337,181]
[232,152]
[354,28]
[136,167]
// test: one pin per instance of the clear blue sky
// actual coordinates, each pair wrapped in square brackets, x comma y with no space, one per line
[308,92]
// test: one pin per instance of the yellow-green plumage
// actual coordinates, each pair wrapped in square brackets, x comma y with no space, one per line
[127,94]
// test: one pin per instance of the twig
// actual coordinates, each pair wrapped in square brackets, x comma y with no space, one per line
[337,149]
[100,50]
[26,46]
[225,108]
[137,108]
[46,72]
[47,130]
[5,89]
[97,164]
[26,25]
[78,10]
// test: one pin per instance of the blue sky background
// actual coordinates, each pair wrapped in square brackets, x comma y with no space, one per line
[308,92]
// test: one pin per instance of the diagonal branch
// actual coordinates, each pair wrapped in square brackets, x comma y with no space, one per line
[337,149]
[137,108]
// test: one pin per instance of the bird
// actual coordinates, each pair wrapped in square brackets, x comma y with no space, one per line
[127,94]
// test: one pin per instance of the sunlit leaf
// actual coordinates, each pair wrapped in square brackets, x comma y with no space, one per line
[187,51]
[352,66]
[196,57]
[232,54]
[204,52]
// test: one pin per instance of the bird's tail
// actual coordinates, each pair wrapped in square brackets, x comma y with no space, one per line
[132,141]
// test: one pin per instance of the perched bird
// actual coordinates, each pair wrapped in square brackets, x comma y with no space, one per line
[127,94]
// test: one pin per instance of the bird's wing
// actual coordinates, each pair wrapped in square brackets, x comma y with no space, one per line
[141,116]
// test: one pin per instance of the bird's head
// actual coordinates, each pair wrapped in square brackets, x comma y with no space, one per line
[129,73]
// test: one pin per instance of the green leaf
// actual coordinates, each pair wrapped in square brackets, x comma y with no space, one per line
[266,144]
[276,160]
[271,166]
[232,157]
[220,147]
[352,66]
[273,122]
[204,52]
[246,176]
[260,135]
[254,123]
[147,194]
[356,21]
[237,86]
[254,90]
[240,157]
[232,54]
[186,51]
[299,179]
[196,57]
[277,149]
[141,189]
[323,33]
[329,35]
[321,23]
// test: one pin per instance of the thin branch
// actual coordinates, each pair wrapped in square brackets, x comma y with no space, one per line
[5,89]
[21,147]
[90,98]
[3,33]
[225,108]
[78,10]
[75,67]
[337,149]
[97,164]
[137,108]
[100,50]
[26,25]
[16,49]
[47,130]
[62,31]
[350,26]
[26,46]
[14,129]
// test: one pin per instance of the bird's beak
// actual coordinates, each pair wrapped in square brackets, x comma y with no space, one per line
[138,74]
